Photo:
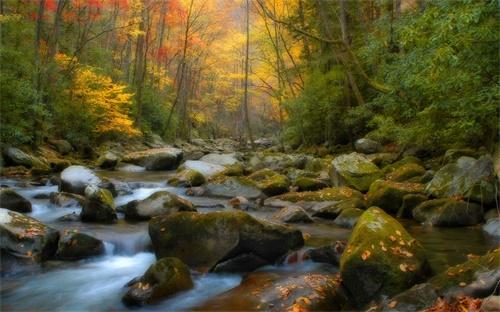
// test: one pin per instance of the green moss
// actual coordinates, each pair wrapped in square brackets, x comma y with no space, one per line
[448,212]
[234,170]
[354,170]
[410,202]
[188,177]
[381,257]
[326,194]
[406,172]
[270,182]
[309,184]
[388,195]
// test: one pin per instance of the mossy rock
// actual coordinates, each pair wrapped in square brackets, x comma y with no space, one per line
[234,170]
[293,214]
[453,154]
[381,258]
[348,217]
[388,195]
[326,194]
[229,187]
[24,237]
[187,177]
[467,178]
[204,240]
[75,246]
[309,184]
[13,201]
[334,209]
[164,278]
[406,172]
[270,182]
[99,206]
[159,203]
[317,164]
[402,162]
[448,212]
[354,170]
[410,202]
[166,158]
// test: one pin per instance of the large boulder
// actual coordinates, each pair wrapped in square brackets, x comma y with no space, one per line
[389,195]
[354,170]
[108,160]
[467,178]
[331,210]
[99,206]
[232,187]
[166,158]
[25,237]
[293,214]
[204,240]
[381,258]
[159,203]
[319,290]
[205,168]
[448,212]
[75,246]
[75,179]
[326,194]
[270,182]
[15,157]
[220,159]
[13,201]
[164,278]
[327,254]
[367,146]
[187,177]
[406,172]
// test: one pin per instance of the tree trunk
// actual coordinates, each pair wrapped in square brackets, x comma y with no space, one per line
[36,74]
[245,100]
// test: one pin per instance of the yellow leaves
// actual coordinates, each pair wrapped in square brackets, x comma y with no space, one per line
[365,255]
[398,232]
[392,238]
[63,60]
[304,300]
[403,267]
[107,102]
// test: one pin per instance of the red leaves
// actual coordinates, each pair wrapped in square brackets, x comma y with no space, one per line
[460,304]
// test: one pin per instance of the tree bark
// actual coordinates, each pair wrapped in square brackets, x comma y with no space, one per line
[245,99]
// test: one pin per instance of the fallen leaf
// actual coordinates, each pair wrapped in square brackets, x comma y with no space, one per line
[365,255]
[403,267]
[398,232]
[392,238]
[392,304]
[462,284]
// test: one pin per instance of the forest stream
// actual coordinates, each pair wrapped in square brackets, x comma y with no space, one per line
[98,283]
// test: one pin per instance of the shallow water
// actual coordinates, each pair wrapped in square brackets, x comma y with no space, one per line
[98,283]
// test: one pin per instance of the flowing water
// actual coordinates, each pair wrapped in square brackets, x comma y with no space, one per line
[98,283]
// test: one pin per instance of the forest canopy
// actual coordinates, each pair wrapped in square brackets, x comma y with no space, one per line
[400,71]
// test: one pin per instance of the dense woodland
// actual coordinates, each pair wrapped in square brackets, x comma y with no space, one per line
[305,72]
[249,155]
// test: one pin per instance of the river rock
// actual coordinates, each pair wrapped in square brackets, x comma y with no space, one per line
[406,172]
[327,254]
[275,291]
[26,237]
[75,246]
[367,146]
[331,210]
[354,170]
[381,258]
[164,278]
[63,147]
[270,182]
[492,227]
[293,214]
[448,212]
[389,195]
[276,161]
[242,263]
[491,214]
[410,202]
[326,194]
[108,160]
[467,178]
[220,159]
[13,201]
[232,187]
[159,203]
[75,179]
[187,177]
[348,217]
[15,157]
[206,169]
[166,158]
[63,199]
[204,240]
[99,206]
[309,184]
